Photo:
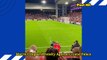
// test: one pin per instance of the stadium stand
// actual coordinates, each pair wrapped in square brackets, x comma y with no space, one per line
[63,13]
[53,54]
[74,17]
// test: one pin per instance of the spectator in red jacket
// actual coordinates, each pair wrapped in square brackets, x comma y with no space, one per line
[57,46]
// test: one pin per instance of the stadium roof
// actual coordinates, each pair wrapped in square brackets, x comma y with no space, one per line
[53,1]
[39,1]
[69,1]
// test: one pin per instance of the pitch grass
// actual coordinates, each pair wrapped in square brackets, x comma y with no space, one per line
[42,33]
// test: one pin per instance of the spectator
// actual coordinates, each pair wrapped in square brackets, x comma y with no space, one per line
[76,44]
[57,46]
[32,49]
[52,50]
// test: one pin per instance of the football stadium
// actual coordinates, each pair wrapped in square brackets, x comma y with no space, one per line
[53,25]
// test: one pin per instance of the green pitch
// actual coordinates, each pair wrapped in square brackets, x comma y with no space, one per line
[42,33]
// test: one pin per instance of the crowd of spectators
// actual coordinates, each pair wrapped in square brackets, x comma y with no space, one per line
[75,17]
[54,49]
[41,16]
[36,16]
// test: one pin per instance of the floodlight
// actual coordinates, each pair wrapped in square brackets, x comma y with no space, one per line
[66,3]
[43,1]
[73,0]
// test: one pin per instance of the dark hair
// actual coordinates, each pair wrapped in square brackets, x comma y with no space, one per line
[76,41]
[54,51]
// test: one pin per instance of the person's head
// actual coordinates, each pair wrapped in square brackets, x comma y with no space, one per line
[33,48]
[53,51]
[76,41]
